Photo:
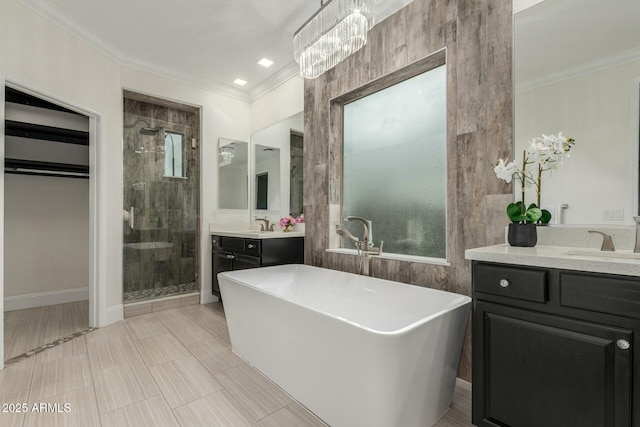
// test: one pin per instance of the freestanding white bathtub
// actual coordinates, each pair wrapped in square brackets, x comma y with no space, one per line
[355,350]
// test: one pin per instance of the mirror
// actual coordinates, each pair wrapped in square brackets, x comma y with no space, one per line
[267,178]
[277,168]
[296,149]
[233,169]
[577,70]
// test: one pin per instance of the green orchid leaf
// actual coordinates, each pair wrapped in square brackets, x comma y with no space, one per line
[514,212]
[532,205]
[546,216]
[533,215]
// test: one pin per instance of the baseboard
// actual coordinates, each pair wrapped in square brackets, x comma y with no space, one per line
[207,297]
[40,299]
[112,315]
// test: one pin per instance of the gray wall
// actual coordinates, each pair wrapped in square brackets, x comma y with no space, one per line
[46,234]
[478,39]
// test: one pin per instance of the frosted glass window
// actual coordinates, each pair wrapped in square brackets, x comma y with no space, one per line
[173,154]
[394,163]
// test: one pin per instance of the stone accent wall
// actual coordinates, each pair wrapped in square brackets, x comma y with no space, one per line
[477,35]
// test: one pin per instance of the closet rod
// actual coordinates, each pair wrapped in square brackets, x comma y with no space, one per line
[46,133]
[46,173]
[32,167]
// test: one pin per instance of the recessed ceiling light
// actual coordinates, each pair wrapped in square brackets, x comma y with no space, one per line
[240,82]
[265,62]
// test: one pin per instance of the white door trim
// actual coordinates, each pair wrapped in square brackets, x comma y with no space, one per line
[634,137]
[97,285]
[2,91]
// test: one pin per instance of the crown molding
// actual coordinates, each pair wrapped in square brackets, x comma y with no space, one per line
[283,75]
[51,13]
[209,85]
[581,70]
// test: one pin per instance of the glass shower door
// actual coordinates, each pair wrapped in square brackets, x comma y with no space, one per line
[161,199]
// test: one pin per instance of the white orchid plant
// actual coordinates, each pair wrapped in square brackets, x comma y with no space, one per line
[544,154]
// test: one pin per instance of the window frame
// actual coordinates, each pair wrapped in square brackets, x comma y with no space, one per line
[336,139]
[173,154]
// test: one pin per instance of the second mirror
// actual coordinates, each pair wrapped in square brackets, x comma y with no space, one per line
[233,173]
[267,178]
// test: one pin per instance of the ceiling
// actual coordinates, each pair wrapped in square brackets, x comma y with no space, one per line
[561,38]
[205,42]
[210,43]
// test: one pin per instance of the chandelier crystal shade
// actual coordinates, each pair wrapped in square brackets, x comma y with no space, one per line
[225,156]
[334,32]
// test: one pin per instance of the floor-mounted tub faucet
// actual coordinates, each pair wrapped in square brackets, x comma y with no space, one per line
[365,246]
[367,237]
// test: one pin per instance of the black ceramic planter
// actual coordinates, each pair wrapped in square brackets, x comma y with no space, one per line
[524,235]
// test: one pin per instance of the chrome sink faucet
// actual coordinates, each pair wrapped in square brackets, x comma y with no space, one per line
[636,247]
[265,224]
[607,241]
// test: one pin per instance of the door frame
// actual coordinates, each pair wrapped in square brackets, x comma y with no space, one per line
[634,139]
[97,288]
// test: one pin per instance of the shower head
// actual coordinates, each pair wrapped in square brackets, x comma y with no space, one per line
[149,131]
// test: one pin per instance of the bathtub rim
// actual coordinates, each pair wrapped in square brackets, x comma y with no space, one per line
[464,301]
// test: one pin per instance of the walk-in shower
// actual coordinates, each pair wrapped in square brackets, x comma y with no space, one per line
[161,198]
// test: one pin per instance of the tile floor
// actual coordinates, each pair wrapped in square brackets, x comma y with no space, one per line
[27,329]
[170,368]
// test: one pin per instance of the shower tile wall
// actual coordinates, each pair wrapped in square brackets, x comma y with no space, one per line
[165,208]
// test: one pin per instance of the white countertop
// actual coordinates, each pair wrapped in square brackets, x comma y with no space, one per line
[561,257]
[256,234]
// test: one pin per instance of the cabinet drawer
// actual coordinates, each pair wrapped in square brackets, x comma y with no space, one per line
[252,246]
[601,293]
[233,244]
[521,283]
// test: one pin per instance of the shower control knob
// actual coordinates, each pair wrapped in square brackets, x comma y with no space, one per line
[623,344]
[504,283]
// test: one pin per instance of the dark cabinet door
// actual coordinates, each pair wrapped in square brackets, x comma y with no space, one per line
[533,369]
[220,261]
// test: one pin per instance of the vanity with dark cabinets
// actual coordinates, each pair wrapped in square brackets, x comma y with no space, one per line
[239,253]
[554,347]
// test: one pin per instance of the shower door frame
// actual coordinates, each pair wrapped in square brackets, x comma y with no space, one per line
[197,110]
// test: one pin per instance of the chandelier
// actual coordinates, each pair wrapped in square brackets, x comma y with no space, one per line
[334,32]
[225,156]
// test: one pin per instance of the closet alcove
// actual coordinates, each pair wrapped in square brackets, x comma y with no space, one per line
[46,239]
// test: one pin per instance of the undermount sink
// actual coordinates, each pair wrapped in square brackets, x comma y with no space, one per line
[603,254]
